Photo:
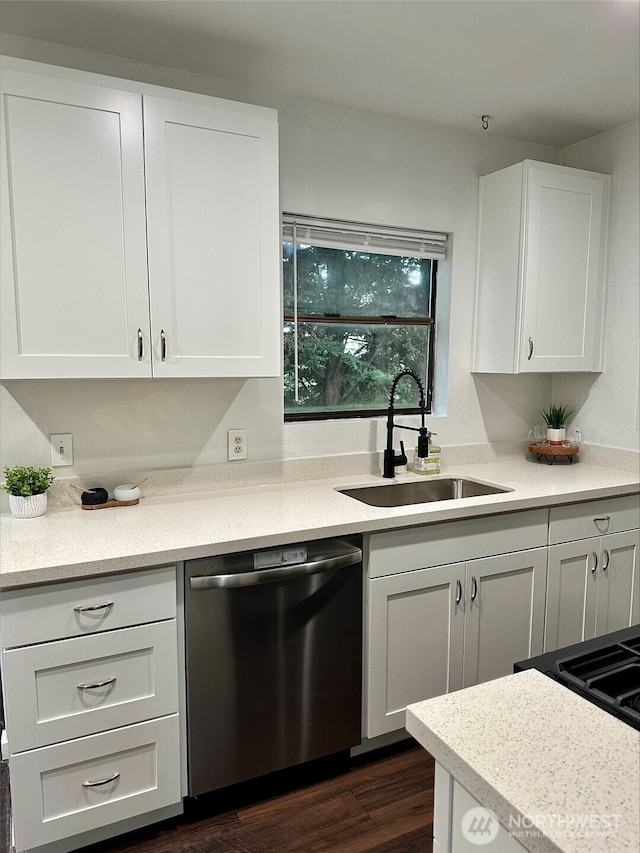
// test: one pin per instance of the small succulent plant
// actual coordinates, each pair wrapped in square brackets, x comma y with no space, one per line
[556,416]
[27,481]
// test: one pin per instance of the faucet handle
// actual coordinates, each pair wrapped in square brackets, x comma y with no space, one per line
[399,459]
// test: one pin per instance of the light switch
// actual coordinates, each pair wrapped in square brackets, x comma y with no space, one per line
[61,449]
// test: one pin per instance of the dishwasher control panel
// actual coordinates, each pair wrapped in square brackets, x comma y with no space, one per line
[284,557]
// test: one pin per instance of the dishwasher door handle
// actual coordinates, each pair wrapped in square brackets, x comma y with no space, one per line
[281,573]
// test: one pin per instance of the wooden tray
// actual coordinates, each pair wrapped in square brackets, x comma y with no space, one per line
[553,450]
[110,503]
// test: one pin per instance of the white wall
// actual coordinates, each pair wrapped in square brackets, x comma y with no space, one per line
[608,404]
[368,167]
[336,162]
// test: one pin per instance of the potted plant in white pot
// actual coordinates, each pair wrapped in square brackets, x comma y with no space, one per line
[27,488]
[556,417]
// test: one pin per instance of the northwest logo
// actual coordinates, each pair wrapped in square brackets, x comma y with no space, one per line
[479,826]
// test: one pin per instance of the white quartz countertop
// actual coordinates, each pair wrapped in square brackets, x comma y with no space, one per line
[70,542]
[528,748]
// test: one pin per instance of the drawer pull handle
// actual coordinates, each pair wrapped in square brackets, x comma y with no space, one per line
[474,588]
[595,563]
[607,559]
[112,778]
[458,591]
[602,519]
[93,685]
[88,608]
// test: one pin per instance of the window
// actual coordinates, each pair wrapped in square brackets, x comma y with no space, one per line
[359,305]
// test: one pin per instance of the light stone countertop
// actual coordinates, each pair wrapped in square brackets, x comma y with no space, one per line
[69,542]
[525,746]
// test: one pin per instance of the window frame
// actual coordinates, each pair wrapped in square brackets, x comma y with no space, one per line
[294,317]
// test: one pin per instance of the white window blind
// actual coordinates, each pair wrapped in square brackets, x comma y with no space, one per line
[350,236]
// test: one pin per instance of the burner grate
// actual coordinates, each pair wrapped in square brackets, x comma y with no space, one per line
[591,665]
[609,676]
[604,670]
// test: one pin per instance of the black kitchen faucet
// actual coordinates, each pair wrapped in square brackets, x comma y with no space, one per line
[391,458]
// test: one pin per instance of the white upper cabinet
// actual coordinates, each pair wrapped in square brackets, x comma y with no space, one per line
[74,266]
[540,292]
[214,238]
[140,230]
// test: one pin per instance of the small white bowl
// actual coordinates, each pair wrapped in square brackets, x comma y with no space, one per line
[127,492]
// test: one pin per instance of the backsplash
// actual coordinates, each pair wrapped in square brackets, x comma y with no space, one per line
[204,478]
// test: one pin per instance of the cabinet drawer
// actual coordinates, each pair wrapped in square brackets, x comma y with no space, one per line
[56,610]
[593,518]
[53,800]
[71,688]
[413,548]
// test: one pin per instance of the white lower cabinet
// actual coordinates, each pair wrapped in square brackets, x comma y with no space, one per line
[90,673]
[461,824]
[435,629]
[416,642]
[594,580]
[76,687]
[504,613]
[618,598]
[76,609]
[73,787]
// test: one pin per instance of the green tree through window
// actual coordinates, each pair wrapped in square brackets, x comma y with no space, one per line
[352,320]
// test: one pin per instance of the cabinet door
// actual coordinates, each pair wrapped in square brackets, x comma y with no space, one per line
[504,618]
[214,238]
[617,582]
[415,630]
[74,269]
[572,590]
[563,270]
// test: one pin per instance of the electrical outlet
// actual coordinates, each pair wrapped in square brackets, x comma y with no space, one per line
[236,444]
[61,449]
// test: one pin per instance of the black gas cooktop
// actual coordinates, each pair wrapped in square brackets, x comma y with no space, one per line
[605,670]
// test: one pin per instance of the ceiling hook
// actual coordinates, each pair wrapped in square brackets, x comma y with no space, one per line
[485,122]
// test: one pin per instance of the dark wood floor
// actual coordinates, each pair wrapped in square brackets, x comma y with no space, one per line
[5,809]
[378,803]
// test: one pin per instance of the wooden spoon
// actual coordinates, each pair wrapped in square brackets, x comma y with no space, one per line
[80,488]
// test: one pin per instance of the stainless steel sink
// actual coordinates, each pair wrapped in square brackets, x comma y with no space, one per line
[423,491]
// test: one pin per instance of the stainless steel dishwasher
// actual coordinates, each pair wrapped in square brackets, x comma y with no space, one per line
[273,659]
